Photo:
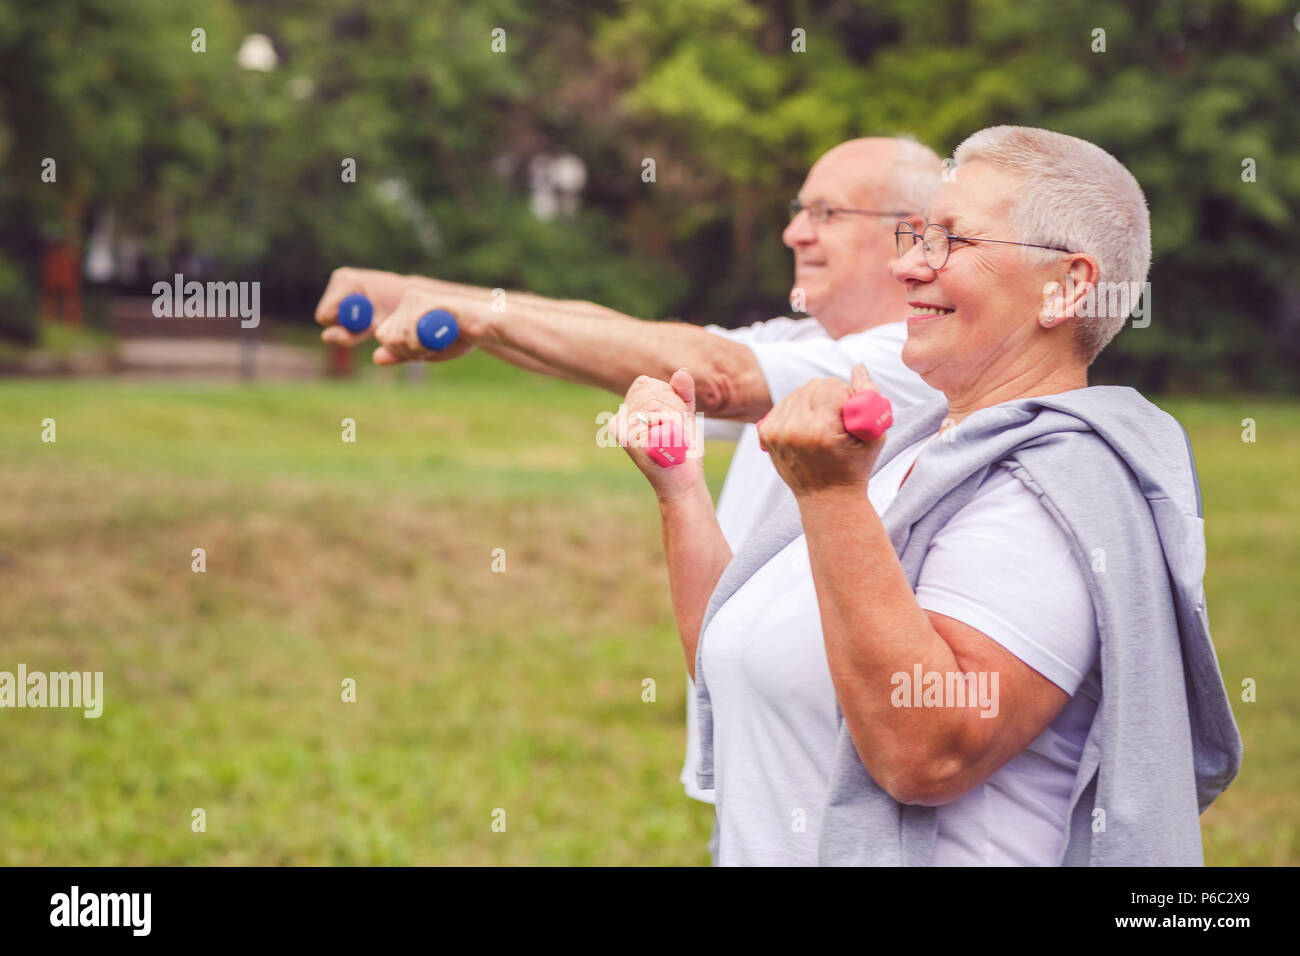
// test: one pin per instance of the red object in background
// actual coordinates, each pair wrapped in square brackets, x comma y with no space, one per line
[61,281]
[341,360]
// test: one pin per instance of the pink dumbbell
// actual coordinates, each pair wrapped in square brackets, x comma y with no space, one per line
[866,416]
[666,445]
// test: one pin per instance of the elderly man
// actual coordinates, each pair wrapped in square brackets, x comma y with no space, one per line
[841,234]
[982,638]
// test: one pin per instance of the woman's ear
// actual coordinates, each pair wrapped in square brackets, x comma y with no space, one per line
[1074,294]
[1053,303]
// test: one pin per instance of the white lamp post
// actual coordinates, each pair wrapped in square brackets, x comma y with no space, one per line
[256,55]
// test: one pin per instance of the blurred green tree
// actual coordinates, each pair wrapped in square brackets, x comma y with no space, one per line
[446,108]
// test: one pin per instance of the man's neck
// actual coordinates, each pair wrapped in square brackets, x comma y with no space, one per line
[870,318]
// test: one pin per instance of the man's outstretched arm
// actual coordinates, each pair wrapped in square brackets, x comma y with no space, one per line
[578,341]
[610,351]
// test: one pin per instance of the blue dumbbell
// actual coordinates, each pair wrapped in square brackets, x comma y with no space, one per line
[355,313]
[436,329]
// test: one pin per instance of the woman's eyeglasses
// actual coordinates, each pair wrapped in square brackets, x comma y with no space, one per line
[936,243]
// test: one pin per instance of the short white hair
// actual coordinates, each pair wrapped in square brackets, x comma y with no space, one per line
[914,178]
[1077,196]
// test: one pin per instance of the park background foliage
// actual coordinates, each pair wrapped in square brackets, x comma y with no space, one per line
[197,157]
[524,690]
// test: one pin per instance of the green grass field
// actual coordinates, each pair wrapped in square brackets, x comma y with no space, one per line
[475,690]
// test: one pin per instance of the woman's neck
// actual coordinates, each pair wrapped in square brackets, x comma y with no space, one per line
[1028,384]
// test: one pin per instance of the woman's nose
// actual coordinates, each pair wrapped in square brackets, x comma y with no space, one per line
[912,267]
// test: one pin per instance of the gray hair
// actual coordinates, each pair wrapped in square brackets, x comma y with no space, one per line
[915,176]
[1077,196]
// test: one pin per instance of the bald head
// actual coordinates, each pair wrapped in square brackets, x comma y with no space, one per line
[899,175]
[842,265]
[857,157]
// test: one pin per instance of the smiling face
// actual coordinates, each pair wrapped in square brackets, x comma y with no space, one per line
[975,323]
[843,265]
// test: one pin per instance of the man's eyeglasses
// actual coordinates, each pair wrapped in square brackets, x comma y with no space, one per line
[821,212]
[936,243]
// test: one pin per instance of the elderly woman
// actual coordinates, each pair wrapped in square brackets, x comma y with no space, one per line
[982,638]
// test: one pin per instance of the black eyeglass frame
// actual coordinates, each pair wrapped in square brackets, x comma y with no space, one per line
[905,228]
[796,206]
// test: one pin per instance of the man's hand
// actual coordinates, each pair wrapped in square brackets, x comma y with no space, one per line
[653,403]
[399,339]
[806,438]
[383,289]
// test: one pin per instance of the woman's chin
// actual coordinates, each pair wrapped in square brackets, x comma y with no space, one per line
[917,355]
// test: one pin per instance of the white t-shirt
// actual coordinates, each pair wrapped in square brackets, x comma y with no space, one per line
[790,352]
[1001,565]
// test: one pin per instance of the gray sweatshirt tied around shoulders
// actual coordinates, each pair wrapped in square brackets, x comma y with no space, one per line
[1116,473]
